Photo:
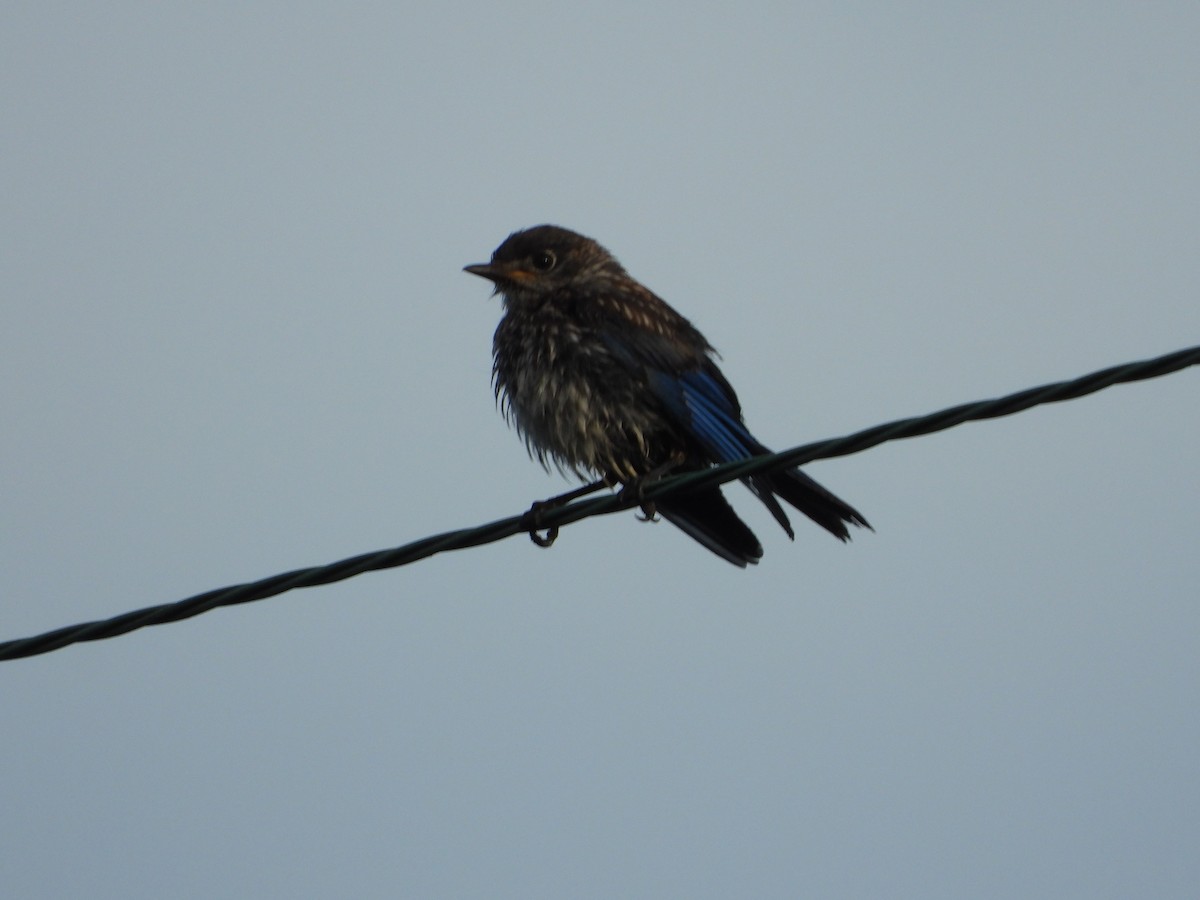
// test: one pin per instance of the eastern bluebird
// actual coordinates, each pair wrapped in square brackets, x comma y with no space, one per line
[602,377]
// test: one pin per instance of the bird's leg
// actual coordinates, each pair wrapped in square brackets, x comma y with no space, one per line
[633,488]
[532,518]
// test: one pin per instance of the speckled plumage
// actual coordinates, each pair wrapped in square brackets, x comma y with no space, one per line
[601,377]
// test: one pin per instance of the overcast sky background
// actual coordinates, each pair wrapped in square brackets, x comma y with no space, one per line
[235,339]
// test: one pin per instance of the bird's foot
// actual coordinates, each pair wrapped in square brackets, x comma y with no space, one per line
[532,520]
[634,488]
[649,513]
[632,493]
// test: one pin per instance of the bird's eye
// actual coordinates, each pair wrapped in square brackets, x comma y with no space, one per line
[544,260]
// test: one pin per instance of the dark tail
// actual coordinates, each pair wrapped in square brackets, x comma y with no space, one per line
[707,516]
[827,510]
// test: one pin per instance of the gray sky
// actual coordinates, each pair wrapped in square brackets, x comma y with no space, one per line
[235,339]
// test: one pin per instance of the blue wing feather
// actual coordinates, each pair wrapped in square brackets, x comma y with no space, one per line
[697,402]
[700,404]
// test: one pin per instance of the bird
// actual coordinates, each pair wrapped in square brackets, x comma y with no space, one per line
[604,380]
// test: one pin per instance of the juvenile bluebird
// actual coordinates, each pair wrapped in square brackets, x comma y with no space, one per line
[604,379]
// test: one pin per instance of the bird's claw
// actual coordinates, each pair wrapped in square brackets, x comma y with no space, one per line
[532,522]
[633,489]
[550,537]
[632,492]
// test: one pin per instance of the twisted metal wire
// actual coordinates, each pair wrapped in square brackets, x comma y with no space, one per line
[552,518]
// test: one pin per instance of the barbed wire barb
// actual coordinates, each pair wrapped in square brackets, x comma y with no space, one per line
[582,509]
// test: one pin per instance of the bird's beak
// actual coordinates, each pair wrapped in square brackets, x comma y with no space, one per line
[483,270]
[501,273]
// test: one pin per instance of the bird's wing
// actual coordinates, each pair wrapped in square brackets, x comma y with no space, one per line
[676,364]
[696,395]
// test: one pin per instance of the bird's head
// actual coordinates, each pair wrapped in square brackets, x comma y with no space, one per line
[539,261]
